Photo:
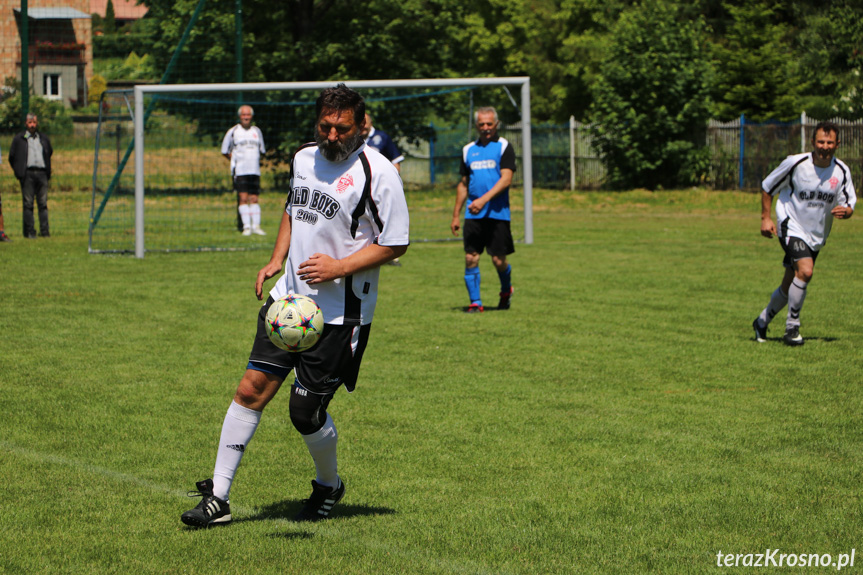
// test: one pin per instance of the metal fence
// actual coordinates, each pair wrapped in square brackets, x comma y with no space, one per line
[743,152]
[442,156]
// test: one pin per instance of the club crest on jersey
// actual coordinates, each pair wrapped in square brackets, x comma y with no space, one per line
[345,182]
[834,181]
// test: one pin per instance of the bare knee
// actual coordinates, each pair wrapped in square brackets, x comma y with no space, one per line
[256,389]
[804,270]
[499,262]
[471,260]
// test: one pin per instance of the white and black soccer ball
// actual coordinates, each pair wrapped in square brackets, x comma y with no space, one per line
[294,323]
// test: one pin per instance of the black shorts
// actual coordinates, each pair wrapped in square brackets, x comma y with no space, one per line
[247,185]
[796,249]
[333,361]
[488,234]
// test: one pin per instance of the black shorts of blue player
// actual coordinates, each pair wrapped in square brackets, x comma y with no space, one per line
[488,234]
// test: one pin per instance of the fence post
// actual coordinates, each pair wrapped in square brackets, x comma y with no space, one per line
[742,152]
[572,153]
[803,132]
[431,153]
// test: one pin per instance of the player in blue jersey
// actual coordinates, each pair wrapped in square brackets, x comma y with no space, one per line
[486,171]
[381,141]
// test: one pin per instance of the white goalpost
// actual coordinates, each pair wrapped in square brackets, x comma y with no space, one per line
[139,117]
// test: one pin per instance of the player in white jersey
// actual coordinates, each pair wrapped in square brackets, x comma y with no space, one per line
[243,146]
[345,216]
[812,189]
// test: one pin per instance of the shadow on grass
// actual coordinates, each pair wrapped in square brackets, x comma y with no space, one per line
[290,535]
[805,339]
[486,309]
[288,508]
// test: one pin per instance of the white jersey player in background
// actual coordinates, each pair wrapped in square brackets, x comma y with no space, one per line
[243,146]
[812,189]
[345,216]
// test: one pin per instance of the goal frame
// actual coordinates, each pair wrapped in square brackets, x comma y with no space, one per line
[139,117]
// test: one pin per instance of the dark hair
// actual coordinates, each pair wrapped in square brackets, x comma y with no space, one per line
[342,98]
[827,127]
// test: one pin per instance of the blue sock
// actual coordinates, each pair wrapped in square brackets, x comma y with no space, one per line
[471,280]
[505,279]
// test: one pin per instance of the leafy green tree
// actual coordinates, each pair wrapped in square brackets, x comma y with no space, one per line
[109,24]
[582,45]
[315,41]
[772,58]
[651,101]
[558,43]
[830,45]
[755,75]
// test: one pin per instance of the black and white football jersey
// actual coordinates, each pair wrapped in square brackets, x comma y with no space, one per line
[246,148]
[806,194]
[337,209]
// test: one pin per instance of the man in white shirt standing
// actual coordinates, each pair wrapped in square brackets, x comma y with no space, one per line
[812,189]
[346,216]
[243,146]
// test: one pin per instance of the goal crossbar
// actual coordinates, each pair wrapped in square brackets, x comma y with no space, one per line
[139,119]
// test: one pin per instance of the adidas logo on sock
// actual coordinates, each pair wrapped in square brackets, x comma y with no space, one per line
[240,448]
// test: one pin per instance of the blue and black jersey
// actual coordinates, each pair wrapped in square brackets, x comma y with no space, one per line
[482,166]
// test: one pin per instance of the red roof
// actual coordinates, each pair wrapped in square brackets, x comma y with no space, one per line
[123,9]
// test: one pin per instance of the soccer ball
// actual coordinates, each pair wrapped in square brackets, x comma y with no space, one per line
[294,323]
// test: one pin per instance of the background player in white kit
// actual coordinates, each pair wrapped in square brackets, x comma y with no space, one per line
[346,215]
[243,146]
[813,188]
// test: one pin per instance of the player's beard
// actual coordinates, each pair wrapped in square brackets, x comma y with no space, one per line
[824,155]
[338,151]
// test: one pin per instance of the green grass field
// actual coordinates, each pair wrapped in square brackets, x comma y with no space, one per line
[619,418]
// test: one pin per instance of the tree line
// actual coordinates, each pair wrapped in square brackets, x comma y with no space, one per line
[649,73]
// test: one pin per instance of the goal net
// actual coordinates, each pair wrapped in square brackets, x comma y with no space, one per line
[161,183]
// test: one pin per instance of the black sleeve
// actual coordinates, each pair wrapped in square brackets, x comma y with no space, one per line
[463,169]
[507,159]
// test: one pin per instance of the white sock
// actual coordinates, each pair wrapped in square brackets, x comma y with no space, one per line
[777,302]
[796,295]
[244,215]
[322,447]
[255,211]
[237,431]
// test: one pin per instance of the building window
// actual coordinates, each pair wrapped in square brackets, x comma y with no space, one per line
[52,86]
